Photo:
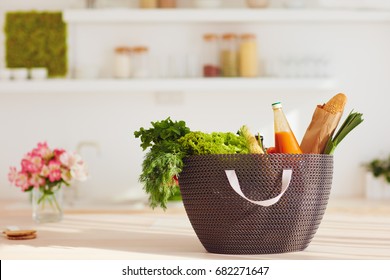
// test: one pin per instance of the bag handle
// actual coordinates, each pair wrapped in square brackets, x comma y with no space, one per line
[233,181]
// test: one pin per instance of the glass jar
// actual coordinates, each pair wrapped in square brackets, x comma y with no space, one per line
[229,55]
[167,4]
[207,4]
[148,4]
[211,55]
[122,62]
[47,204]
[257,3]
[248,58]
[140,62]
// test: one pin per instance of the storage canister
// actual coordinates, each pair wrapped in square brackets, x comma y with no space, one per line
[210,55]
[141,62]
[167,4]
[122,62]
[207,4]
[229,55]
[148,4]
[248,57]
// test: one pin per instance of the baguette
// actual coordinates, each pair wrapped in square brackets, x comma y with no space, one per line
[336,104]
[323,124]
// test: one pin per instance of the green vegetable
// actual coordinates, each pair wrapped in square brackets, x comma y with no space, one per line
[163,161]
[353,120]
[163,132]
[199,143]
[251,142]
[168,143]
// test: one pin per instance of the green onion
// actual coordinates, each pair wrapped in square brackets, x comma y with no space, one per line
[352,121]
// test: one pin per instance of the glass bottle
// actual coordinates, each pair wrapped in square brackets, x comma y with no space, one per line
[122,62]
[141,62]
[167,4]
[211,55]
[229,55]
[285,141]
[248,57]
[148,4]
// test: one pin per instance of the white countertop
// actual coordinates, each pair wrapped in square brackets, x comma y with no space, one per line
[351,229]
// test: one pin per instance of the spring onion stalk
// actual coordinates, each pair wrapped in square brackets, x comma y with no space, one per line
[352,121]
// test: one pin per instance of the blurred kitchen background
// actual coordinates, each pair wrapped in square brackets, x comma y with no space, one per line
[307,52]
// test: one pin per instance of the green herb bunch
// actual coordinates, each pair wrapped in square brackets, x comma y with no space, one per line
[169,143]
[163,162]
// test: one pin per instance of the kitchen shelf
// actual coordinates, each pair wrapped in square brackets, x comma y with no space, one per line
[166,85]
[223,15]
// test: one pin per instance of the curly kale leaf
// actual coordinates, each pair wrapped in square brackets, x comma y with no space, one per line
[200,143]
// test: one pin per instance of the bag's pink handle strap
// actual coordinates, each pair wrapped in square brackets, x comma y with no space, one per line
[233,180]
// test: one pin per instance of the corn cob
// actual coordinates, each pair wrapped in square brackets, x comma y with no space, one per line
[252,144]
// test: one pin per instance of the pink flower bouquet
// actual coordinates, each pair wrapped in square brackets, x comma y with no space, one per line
[45,167]
[43,171]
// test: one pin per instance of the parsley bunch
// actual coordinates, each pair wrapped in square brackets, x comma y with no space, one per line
[164,161]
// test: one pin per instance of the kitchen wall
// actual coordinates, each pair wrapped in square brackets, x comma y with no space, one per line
[104,122]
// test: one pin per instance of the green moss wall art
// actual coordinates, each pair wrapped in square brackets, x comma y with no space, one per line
[36,39]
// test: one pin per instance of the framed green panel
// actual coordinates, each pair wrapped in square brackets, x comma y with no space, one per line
[36,39]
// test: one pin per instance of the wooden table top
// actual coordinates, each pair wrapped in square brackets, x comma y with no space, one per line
[351,229]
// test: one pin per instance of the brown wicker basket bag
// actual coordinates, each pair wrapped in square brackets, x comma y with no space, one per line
[280,208]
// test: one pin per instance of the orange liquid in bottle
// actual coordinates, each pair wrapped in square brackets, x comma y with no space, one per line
[286,143]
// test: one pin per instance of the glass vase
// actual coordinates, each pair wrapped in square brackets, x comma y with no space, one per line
[47,204]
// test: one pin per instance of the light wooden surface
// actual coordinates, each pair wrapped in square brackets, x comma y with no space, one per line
[351,229]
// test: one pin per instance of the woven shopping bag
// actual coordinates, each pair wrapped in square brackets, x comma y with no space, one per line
[256,204]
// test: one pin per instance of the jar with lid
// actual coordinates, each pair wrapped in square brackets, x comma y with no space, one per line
[148,4]
[141,62]
[229,55]
[257,3]
[248,57]
[211,55]
[122,62]
[167,4]
[207,4]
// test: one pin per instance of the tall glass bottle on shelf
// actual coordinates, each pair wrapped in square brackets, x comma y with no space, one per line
[211,55]
[229,55]
[285,141]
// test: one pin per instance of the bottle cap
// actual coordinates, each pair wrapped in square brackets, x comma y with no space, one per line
[276,105]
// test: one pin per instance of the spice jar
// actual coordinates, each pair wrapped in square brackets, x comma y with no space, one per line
[148,4]
[207,4]
[122,62]
[141,62]
[167,3]
[257,3]
[229,55]
[210,55]
[248,58]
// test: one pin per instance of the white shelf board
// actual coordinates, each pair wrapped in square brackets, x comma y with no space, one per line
[222,15]
[166,85]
